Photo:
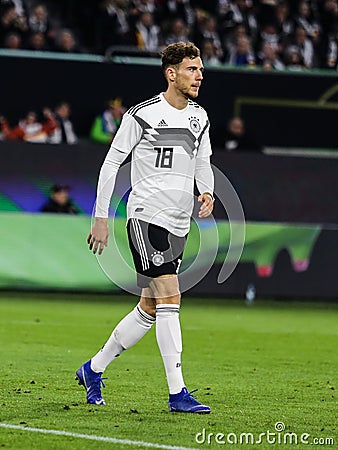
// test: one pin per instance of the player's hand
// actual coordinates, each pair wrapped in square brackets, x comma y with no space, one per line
[207,205]
[98,236]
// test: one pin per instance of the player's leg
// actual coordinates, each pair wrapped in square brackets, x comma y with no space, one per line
[158,257]
[129,330]
[165,289]
[161,255]
[126,334]
[168,330]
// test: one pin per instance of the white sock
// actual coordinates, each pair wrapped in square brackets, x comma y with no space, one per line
[169,339]
[129,331]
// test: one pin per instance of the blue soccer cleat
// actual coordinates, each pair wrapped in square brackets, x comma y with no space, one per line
[185,402]
[92,383]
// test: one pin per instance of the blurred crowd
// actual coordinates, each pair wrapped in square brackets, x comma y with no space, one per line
[55,126]
[51,126]
[274,34]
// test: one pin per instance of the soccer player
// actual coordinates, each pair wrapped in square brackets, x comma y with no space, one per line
[168,136]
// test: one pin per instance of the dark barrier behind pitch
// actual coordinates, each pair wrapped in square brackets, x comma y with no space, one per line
[281,108]
[271,188]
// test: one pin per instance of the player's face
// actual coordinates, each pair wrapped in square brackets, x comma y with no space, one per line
[189,76]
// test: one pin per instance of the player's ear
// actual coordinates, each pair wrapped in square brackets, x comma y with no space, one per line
[171,74]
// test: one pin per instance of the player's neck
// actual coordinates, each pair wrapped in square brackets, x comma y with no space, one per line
[175,100]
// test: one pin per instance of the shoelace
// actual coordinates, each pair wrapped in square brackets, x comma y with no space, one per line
[189,396]
[98,382]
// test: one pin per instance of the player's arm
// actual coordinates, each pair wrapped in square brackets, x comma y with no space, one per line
[204,176]
[125,139]
[205,185]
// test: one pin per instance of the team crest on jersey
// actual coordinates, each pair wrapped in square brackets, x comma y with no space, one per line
[194,124]
[157,258]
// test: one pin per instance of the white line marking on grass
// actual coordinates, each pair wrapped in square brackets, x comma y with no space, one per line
[94,438]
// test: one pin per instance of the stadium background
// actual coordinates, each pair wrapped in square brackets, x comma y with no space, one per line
[260,364]
[290,203]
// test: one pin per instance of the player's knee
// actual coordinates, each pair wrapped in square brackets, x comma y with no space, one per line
[147,303]
[149,308]
[165,289]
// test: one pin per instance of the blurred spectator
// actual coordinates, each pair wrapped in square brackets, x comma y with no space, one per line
[305,46]
[30,129]
[147,33]
[305,19]
[19,5]
[328,14]
[238,139]
[331,51]
[208,30]
[39,22]
[11,22]
[112,27]
[293,59]
[168,11]
[195,31]
[178,32]
[138,7]
[284,22]
[242,54]
[268,58]
[209,53]
[66,42]
[105,125]
[242,13]
[269,35]
[64,132]
[225,17]
[37,41]
[230,41]
[13,41]
[135,9]
[59,201]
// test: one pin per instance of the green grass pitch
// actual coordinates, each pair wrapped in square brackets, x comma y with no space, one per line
[275,361]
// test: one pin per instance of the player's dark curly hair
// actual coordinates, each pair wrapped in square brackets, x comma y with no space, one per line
[175,53]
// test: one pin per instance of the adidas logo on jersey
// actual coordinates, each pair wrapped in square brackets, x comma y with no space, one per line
[162,123]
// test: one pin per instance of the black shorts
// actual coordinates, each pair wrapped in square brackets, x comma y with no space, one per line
[155,250]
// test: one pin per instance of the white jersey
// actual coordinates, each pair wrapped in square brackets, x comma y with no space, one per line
[170,150]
